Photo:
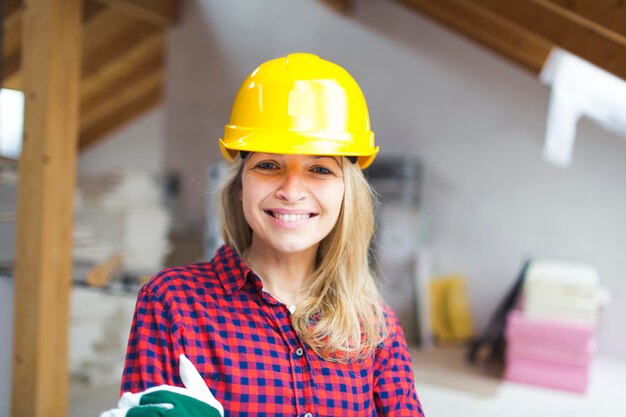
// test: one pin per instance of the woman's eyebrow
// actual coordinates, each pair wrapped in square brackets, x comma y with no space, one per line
[334,158]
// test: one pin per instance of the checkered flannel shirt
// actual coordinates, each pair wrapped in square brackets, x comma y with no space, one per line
[242,342]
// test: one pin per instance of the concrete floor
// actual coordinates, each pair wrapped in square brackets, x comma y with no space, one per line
[448,387]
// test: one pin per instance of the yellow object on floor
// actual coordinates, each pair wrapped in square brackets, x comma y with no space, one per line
[450,311]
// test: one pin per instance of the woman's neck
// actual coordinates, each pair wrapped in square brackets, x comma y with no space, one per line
[283,275]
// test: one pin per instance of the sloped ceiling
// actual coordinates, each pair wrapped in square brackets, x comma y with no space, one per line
[123,51]
[525,30]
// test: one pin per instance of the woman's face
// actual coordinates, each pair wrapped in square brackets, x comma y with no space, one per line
[291,202]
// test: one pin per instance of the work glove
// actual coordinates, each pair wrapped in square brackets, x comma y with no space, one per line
[195,400]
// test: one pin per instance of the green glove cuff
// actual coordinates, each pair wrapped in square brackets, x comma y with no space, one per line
[154,404]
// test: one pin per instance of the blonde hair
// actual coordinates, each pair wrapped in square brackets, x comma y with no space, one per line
[342,317]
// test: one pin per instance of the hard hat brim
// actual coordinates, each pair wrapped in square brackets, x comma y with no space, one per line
[296,144]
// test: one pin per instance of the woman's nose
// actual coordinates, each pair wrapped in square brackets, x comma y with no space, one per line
[291,187]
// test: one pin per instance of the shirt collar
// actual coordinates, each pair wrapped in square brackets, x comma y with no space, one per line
[231,269]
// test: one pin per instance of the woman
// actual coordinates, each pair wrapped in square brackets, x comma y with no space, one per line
[286,319]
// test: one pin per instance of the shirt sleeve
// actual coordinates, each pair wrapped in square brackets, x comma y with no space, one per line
[153,347]
[394,383]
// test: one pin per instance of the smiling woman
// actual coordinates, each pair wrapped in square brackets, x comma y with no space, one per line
[287,318]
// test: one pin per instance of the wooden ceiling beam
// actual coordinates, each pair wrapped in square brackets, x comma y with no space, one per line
[11,7]
[120,51]
[342,6]
[112,95]
[100,110]
[11,27]
[11,67]
[490,29]
[127,79]
[120,116]
[588,40]
[160,13]
[91,9]
[609,14]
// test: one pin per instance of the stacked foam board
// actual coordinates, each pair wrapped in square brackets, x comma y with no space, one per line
[122,212]
[550,340]
[99,326]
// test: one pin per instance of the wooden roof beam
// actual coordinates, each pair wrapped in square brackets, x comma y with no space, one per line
[161,13]
[107,63]
[112,95]
[342,6]
[609,14]
[487,27]
[590,41]
[12,14]
[11,7]
[11,68]
[91,9]
[121,115]
[120,51]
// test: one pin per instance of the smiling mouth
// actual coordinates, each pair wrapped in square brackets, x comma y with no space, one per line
[289,217]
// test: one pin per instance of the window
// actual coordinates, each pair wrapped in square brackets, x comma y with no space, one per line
[11,123]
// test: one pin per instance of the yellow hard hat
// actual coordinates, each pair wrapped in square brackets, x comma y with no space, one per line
[300,104]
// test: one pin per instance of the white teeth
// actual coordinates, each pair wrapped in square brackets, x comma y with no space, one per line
[291,217]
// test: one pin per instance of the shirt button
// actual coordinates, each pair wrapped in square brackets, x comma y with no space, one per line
[300,352]
[308,415]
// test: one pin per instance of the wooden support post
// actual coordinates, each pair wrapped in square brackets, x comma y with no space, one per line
[47,169]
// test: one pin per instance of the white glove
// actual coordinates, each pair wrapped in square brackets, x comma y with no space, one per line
[195,387]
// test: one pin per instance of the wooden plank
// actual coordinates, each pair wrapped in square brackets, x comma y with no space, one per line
[112,97]
[342,6]
[91,9]
[10,38]
[51,59]
[107,87]
[120,81]
[160,13]
[488,28]
[577,35]
[121,116]
[11,66]
[120,52]
[11,7]
[608,14]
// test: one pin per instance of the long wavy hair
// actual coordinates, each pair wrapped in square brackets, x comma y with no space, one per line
[342,317]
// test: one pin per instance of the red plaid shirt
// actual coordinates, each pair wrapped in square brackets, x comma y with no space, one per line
[242,342]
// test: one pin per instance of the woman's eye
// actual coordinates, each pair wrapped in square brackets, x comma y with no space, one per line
[321,170]
[266,165]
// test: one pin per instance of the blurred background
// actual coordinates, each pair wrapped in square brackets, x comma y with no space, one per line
[498,147]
